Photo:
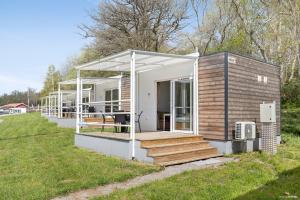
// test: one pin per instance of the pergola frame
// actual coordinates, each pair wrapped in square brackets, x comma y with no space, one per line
[145,61]
[44,105]
[84,81]
[51,105]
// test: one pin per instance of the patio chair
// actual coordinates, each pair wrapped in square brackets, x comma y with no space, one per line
[106,119]
[121,119]
[92,109]
[138,120]
[103,121]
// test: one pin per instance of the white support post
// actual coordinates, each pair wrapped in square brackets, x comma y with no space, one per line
[77,103]
[89,100]
[56,105]
[132,103]
[81,95]
[46,106]
[195,101]
[120,92]
[49,105]
[59,102]
[94,99]
[42,100]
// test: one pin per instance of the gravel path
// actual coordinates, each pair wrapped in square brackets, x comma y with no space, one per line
[167,172]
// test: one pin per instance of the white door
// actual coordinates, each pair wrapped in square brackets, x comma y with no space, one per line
[182,105]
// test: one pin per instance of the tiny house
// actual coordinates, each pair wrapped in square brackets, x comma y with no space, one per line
[177,108]
[231,89]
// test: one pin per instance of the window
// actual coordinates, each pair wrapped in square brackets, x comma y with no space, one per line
[85,100]
[265,79]
[258,78]
[112,95]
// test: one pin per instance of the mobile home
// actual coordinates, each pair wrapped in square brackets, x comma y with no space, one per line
[179,108]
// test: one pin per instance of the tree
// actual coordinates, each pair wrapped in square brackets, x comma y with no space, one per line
[53,77]
[136,24]
[21,97]
[214,30]
[268,30]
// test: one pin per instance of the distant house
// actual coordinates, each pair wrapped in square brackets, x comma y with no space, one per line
[15,108]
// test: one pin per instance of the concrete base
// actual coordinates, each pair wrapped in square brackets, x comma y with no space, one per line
[66,123]
[52,119]
[62,122]
[112,147]
[239,146]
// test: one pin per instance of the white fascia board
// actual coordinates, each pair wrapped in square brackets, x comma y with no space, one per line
[117,66]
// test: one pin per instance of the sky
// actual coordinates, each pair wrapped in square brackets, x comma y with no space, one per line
[35,34]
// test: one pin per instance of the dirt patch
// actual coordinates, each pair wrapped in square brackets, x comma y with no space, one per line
[167,172]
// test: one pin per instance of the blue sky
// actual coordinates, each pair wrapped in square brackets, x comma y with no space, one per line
[37,33]
[34,34]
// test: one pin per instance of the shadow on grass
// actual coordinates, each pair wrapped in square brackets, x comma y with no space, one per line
[287,186]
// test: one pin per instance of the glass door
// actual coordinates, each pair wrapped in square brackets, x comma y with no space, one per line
[182,101]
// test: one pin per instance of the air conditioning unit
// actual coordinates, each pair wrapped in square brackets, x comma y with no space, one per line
[245,130]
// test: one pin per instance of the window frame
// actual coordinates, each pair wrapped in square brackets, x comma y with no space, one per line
[112,106]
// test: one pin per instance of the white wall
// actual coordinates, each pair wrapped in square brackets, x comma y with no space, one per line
[100,92]
[17,110]
[147,100]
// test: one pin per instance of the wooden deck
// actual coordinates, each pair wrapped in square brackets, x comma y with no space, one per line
[167,148]
[139,136]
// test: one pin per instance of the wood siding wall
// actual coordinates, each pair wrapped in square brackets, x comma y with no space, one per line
[245,93]
[211,96]
[125,93]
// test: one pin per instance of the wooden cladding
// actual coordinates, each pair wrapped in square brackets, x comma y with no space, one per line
[125,93]
[245,92]
[230,92]
[211,96]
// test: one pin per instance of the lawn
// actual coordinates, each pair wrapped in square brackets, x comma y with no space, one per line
[39,161]
[256,176]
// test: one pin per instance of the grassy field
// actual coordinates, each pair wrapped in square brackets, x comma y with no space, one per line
[256,176]
[38,161]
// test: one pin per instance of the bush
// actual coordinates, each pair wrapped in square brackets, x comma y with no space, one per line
[290,121]
[290,94]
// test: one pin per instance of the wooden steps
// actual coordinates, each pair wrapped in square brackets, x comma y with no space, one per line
[176,150]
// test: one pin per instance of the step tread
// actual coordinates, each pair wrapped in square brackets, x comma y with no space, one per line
[171,137]
[172,144]
[179,152]
[186,160]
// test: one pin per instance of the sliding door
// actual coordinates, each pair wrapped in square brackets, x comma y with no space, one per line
[182,101]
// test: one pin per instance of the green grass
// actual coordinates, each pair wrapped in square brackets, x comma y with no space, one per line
[38,160]
[256,176]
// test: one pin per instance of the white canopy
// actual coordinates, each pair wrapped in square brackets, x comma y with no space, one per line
[144,61]
[85,92]
[91,80]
